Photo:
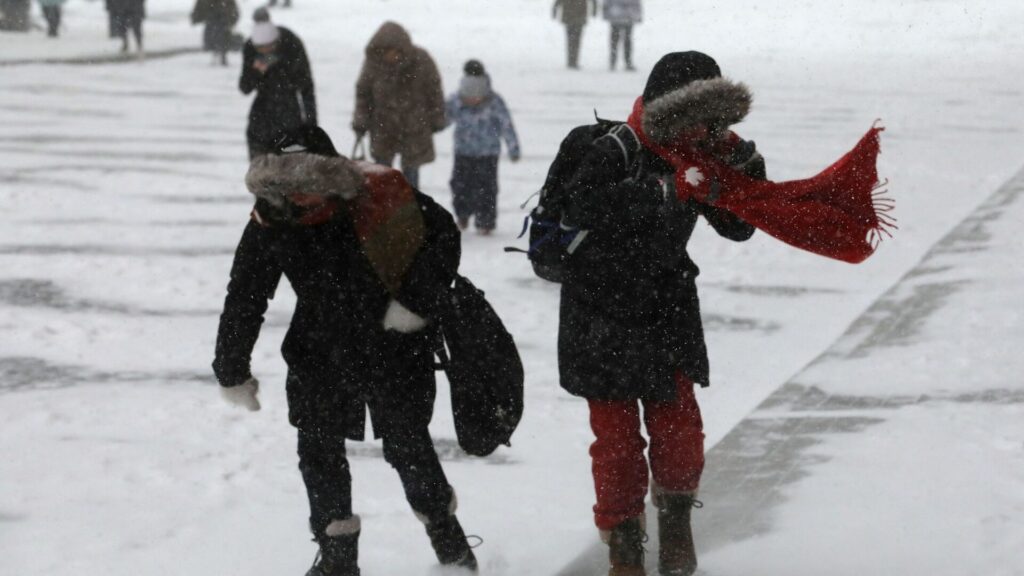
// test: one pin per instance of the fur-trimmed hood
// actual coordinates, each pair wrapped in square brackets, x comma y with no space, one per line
[716,102]
[272,177]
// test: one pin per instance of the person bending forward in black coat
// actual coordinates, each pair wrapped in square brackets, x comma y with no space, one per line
[362,335]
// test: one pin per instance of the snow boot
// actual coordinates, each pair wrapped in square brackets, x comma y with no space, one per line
[676,553]
[339,550]
[449,542]
[626,548]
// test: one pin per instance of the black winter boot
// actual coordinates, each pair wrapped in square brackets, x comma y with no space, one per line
[339,550]
[449,542]
[676,553]
[626,548]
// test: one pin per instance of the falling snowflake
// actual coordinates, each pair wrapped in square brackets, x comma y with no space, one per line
[694,176]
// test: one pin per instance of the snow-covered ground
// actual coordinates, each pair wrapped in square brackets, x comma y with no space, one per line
[121,199]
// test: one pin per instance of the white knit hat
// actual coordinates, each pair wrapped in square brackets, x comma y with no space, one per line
[264,33]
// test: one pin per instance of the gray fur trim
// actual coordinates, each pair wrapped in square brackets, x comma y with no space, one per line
[718,102]
[345,527]
[272,177]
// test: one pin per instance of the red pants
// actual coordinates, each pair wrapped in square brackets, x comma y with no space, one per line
[620,469]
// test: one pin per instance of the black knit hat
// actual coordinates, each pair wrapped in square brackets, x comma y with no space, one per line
[309,139]
[677,69]
[474,68]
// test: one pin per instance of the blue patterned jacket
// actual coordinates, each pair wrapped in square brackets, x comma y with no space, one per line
[480,129]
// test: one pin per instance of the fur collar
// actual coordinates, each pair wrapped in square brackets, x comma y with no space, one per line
[272,177]
[718,102]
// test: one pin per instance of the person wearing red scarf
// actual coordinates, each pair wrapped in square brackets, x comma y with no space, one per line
[630,333]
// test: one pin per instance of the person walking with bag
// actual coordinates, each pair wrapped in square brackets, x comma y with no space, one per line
[275,66]
[399,101]
[630,333]
[482,121]
[370,260]
[574,17]
[622,15]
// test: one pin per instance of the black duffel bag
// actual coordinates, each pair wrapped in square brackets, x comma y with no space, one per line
[484,370]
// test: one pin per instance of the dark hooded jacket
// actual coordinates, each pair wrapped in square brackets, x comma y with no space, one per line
[630,317]
[284,94]
[340,358]
[400,104]
[574,12]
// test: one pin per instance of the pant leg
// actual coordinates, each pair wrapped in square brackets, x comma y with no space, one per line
[411,173]
[616,33]
[627,44]
[618,464]
[574,33]
[677,440]
[461,187]
[411,453]
[325,472]
[486,192]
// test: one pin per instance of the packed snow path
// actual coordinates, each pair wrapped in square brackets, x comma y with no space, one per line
[121,200]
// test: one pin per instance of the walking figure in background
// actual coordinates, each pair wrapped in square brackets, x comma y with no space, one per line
[220,17]
[52,13]
[275,66]
[399,101]
[126,17]
[574,17]
[481,121]
[370,260]
[622,15]
[630,333]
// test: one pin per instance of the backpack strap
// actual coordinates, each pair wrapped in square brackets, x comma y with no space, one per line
[626,140]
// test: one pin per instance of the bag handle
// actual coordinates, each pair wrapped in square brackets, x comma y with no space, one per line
[358,149]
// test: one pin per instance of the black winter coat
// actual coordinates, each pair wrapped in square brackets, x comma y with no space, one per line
[630,316]
[284,94]
[340,359]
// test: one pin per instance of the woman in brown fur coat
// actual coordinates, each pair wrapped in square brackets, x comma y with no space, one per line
[399,101]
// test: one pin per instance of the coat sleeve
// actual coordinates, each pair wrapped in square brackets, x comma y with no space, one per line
[251,79]
[602,195]
[254,278]
[433,93]
[748,160]
[508,130]
[451,109]
[364,99]
[433,270]
[303,75]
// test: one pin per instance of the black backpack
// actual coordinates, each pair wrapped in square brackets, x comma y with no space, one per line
[553,240]
[484,370]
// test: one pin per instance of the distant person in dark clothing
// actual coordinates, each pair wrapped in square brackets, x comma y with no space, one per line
[127,16]
[52,13]
[574,16]
[220,17]
[399,101]
[622,15]
[275,66]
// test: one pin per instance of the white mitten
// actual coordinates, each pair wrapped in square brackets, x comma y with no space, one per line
[401,319]
[243,395]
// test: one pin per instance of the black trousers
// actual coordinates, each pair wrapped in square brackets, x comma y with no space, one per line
[573,36]
[475,190]
[623,33]
[328,480]
[52,15]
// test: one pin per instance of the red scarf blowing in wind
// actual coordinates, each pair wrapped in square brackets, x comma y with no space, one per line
[839,213]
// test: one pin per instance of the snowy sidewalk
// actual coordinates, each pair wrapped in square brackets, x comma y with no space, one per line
[868,461]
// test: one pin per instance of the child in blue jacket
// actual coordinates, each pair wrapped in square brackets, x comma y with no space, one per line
[481,121]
